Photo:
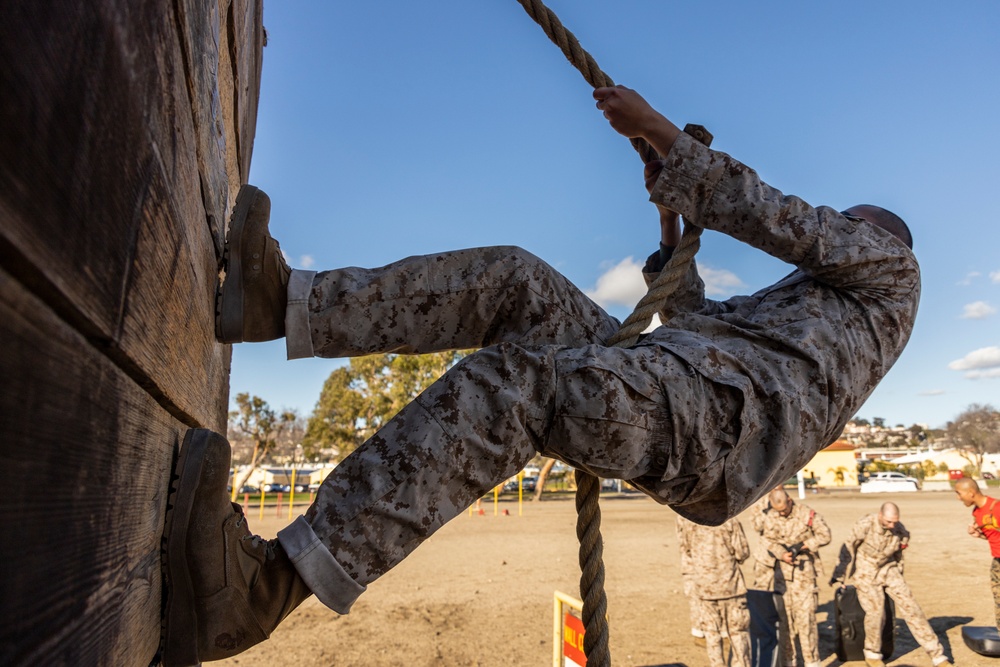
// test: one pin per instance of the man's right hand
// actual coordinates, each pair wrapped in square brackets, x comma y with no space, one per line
[632,116]
[788,557]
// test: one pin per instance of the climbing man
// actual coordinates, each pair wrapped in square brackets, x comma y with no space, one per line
[985,526]
[793,534]
[875,553]
[718,593]
[706,413]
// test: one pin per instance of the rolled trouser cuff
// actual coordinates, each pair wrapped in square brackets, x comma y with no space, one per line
[872,655]
[298,334]
[324,576]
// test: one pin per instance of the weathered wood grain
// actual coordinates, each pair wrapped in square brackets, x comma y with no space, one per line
[86,455]
[77,189]
[117,173]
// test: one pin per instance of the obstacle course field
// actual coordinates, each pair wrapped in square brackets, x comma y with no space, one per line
[480,591]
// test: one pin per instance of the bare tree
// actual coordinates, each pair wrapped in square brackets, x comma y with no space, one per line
[975,433]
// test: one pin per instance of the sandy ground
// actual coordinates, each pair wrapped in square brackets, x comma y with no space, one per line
[480,591]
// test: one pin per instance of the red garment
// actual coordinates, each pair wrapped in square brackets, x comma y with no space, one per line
[988,521]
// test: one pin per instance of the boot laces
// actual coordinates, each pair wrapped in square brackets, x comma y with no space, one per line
[256,541]
[259,542]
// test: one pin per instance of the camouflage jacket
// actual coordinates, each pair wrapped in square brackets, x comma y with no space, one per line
[871,551]
[802,526]
[714,554]
[799,357]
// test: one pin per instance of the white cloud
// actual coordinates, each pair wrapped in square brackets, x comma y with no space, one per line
[932,392]
[719,282]
[978,310]
[969,277]
[621,285]
[995,276]
[979,364]
[307,261]
[982,375]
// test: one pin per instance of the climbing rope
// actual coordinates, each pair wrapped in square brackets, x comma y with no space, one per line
[588,487]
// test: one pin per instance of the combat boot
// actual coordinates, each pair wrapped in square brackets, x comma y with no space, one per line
[250,302]
[225,588]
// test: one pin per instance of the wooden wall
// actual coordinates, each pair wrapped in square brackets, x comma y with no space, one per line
[126,128]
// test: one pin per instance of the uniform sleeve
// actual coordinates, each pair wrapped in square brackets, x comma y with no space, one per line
[858,533]
[821,535]
[772,540]
[740,547]
[715,191]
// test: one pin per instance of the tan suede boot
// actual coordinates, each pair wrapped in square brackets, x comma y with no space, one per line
[250,303]
[225,588]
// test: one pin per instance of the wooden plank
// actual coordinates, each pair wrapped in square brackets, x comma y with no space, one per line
[169,312]
[77,230]
[200,26]
[247,31]
[86,455]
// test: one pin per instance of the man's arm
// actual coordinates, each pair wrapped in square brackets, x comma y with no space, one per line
[718,192]
[740,546]
[689,297]
[821,534]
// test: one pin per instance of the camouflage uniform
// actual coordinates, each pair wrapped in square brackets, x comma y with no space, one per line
[705,414]
[687,577]
[797,583]
[714,554]
[763,561]
[877,557]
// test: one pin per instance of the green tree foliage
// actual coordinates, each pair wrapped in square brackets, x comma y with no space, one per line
[358,399]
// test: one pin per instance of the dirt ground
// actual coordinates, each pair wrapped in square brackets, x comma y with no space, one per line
[480,591]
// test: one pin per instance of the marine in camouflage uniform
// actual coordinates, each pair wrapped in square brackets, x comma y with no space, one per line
[793,534]
[874,564]
[763,561]
[714,554]
[724,401]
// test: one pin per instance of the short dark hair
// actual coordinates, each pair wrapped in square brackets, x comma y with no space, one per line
[894,224]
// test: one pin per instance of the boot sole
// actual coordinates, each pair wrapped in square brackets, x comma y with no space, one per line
[229,295]
[179,630]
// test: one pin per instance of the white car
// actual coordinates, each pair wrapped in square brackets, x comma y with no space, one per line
[889,482]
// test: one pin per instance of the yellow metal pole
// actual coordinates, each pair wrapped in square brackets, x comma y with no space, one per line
[520,493]
[262,493]
[233,499]
[291,495]
[556,631]
[496,500]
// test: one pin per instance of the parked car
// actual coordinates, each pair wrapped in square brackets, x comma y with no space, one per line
[528,484]
[277,488]
[889,482]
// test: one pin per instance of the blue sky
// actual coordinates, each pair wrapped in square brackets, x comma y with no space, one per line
[391,128]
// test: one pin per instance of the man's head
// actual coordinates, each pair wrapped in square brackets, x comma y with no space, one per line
[780,502]
[887,220]
[888,515]
[967,490]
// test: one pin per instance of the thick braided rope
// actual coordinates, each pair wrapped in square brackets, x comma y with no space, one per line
[588,527]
